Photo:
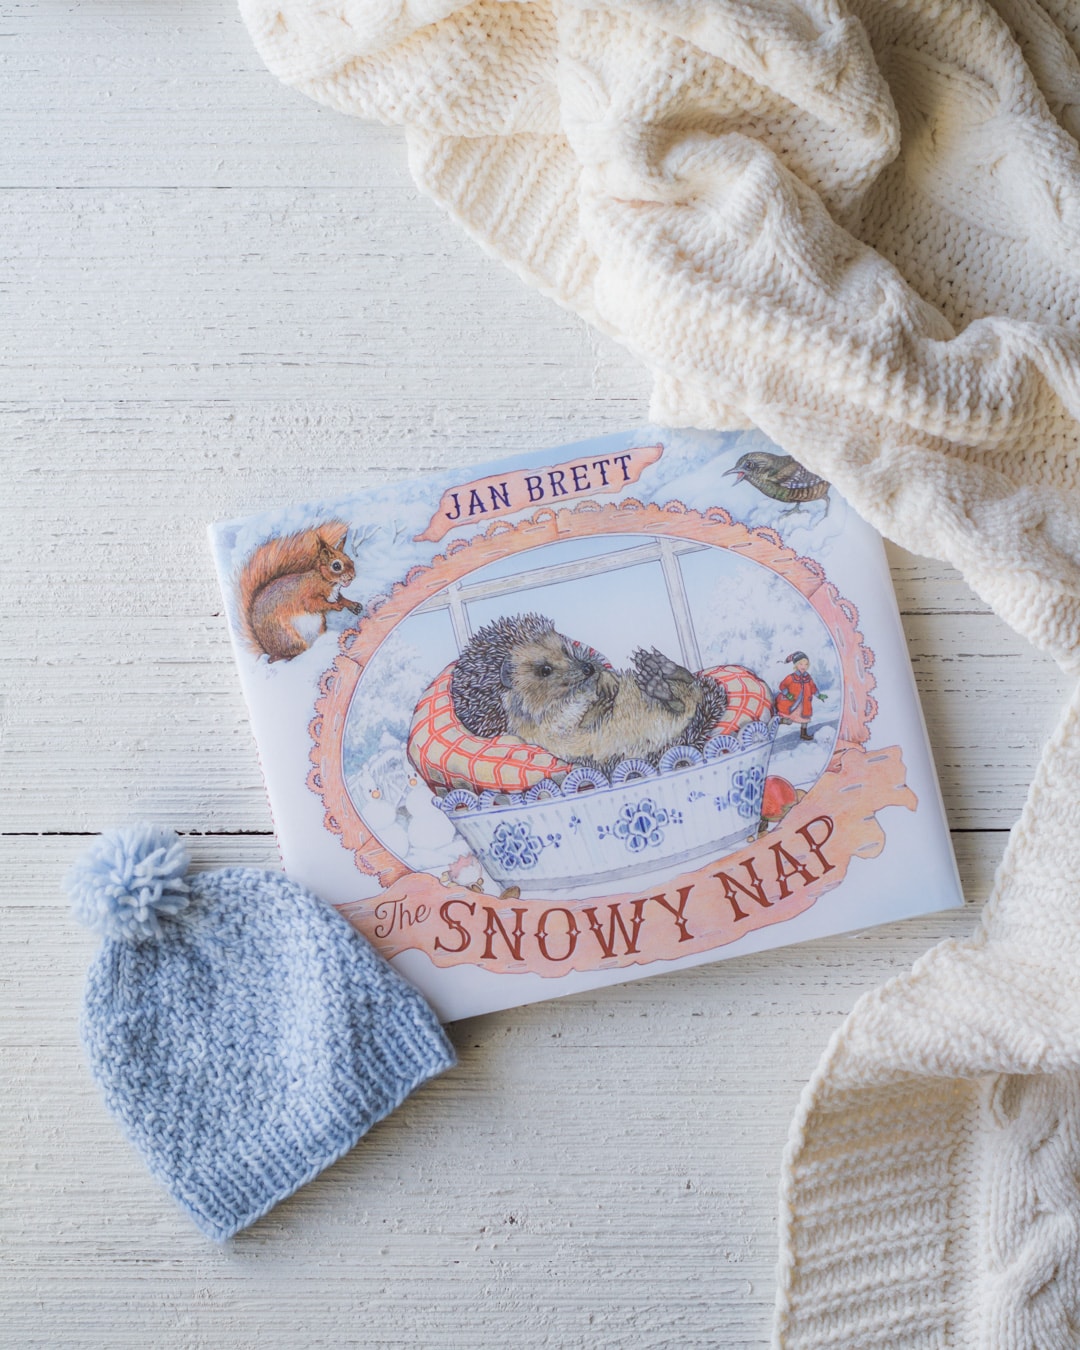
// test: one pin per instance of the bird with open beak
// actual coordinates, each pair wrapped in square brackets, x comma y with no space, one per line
[780,477]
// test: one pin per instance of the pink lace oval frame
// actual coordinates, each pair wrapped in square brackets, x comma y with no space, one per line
[715,527]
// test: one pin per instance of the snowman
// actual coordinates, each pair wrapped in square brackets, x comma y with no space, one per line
[433,841]
[381,812]
[390,769]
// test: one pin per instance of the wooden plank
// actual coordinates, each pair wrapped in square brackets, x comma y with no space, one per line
[504,1204]
[219,298]
[32,866]
[273,293]
[135,93]
[121,696]
[926,586]
[109,717]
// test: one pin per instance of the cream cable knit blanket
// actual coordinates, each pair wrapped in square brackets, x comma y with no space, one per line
[855,225]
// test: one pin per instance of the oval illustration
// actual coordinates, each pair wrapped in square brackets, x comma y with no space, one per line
[717,676]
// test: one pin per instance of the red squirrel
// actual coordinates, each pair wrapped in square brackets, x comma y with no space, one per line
[289,585]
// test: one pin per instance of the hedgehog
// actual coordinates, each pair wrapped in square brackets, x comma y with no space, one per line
[518,675]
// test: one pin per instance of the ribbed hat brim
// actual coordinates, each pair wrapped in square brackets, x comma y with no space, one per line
[252,1044]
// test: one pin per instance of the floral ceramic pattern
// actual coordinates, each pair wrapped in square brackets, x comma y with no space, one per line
[639,824]
[514,847]
[747,789]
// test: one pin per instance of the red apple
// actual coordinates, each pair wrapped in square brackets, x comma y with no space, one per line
[778,799]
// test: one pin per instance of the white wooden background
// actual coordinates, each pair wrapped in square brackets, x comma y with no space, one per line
[218,297]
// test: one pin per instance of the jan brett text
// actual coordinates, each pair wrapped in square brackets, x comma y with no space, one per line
[547,485]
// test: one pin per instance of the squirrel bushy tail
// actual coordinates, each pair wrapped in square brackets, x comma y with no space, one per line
[276,558]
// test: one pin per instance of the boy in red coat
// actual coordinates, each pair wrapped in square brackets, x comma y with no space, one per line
[795,701]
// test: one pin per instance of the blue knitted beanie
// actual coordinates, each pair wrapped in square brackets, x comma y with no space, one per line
[244,1035]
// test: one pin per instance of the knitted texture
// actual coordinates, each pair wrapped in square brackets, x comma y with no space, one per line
[930,1192]
[246,1041]
[857,226]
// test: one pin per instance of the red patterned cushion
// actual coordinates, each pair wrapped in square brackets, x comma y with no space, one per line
[448,755]
[749,698]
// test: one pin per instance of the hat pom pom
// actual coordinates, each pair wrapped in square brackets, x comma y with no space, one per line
[129,880]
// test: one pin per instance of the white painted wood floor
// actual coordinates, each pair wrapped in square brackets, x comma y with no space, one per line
[219,297]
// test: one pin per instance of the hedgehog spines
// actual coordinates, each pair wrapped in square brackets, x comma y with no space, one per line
[476,684]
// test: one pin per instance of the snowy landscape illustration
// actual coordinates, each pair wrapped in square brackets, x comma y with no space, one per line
[704,606]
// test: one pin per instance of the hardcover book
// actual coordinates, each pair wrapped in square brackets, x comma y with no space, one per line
[587,714]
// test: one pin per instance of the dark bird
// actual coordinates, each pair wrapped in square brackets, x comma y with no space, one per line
[782,478]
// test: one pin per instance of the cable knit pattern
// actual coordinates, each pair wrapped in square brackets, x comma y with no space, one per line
[857,226]
[247,1041]
[930,1191]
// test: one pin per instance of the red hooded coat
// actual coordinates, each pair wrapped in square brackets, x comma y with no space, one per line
[796,696]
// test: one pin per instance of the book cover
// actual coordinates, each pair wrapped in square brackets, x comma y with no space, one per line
[587,714]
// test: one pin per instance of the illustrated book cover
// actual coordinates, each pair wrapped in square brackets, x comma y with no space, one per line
[587,714]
